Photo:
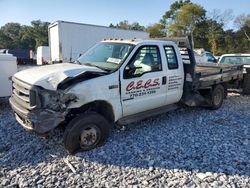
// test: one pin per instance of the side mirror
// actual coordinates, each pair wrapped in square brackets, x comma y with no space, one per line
[129,68]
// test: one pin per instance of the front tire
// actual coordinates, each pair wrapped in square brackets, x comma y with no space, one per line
[86,132]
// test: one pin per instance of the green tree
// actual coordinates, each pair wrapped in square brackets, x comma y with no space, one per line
[10,35]
[229,43]
[136,26]
[187,19]
[27,39]
[156,30]
[242,42]
[123,25]
[16,36]
[112,25]
[215,32]
[40,32]
[170,16]
[126,25]
[216,21]
[201,38]
[243,23]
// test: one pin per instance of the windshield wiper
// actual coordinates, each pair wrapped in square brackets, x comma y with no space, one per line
[92,65]
[78,62]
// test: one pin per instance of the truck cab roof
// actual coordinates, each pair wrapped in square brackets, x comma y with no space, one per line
[137,41]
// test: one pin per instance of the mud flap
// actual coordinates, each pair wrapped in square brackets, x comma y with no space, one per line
[193,99]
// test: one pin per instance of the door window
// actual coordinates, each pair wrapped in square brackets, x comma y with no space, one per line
[146,59]
[210,57]
[171,57]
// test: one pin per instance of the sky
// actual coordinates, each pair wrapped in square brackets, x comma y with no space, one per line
[103,12]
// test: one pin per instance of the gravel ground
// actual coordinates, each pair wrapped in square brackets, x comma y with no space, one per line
[190,147]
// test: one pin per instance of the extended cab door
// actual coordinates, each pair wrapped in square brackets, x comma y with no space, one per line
[174,73]
[143,82]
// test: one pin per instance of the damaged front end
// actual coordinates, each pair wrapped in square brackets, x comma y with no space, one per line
[39,109]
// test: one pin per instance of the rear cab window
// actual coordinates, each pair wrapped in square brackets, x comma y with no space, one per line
[171,57]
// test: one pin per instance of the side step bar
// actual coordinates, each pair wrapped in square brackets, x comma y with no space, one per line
[146,114]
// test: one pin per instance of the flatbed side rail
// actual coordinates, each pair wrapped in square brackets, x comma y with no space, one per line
[222,75]
[206,71]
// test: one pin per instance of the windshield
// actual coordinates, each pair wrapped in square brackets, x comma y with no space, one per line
[104,55]
[236,59]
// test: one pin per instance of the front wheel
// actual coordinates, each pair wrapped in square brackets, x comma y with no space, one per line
[86,132]
[217,97]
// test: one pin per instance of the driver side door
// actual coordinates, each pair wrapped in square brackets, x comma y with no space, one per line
[143,83]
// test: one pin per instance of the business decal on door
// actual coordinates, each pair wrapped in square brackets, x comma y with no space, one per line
[142,88]
[174,82]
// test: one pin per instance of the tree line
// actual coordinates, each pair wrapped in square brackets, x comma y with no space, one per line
[208,30]
[17,36]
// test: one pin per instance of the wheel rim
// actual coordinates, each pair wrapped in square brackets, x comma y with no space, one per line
[90,136]
[218,97]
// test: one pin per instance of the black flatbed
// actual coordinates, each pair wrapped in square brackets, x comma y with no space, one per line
[210,74]
[200,76]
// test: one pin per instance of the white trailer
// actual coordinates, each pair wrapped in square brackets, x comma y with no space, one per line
[68,40]
[8,67]
[42,55]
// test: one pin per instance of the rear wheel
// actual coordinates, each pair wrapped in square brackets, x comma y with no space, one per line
[246,83]
[86,132]
[217,97]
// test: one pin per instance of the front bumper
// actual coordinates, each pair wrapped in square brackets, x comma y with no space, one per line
[38,120]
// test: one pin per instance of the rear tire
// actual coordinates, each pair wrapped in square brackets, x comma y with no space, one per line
[217,97]
[86,132]
[246,84]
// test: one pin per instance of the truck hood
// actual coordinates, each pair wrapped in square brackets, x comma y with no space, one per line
[50,76]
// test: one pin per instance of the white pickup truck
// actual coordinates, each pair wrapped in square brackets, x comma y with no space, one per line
[116,81]
[239,59]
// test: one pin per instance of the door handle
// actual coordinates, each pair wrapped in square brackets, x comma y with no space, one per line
[164,80]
